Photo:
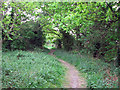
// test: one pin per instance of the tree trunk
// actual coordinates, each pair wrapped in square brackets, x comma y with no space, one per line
[118,41]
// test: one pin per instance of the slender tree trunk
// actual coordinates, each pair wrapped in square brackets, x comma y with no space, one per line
[118,42]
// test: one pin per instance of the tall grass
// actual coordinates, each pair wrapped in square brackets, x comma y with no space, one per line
[31,69]
[94,70]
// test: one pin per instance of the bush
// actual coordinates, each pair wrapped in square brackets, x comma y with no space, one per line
[30,36]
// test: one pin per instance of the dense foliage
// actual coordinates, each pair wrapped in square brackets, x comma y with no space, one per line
[87,27]
[94,25]
[20,29]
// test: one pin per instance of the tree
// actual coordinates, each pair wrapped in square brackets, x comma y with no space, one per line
[14,15]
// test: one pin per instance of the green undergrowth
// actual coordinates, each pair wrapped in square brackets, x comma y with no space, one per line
[31,69]
[94,70]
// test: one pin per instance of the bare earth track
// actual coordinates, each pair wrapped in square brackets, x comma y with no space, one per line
[73,78]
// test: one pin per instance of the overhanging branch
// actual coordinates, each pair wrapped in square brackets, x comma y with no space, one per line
[54,33]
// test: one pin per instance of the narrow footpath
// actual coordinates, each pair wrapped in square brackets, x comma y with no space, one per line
[73,78]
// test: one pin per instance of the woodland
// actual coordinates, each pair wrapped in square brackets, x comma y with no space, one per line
[84,34]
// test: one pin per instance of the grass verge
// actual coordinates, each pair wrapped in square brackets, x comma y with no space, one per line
[31,69]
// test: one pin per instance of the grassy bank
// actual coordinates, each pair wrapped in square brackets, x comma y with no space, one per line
[94,70]
[31,69]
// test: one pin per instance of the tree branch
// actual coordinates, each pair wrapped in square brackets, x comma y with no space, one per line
[54,33]
[110,7]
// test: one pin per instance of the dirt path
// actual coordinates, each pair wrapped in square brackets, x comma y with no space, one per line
[73,78]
